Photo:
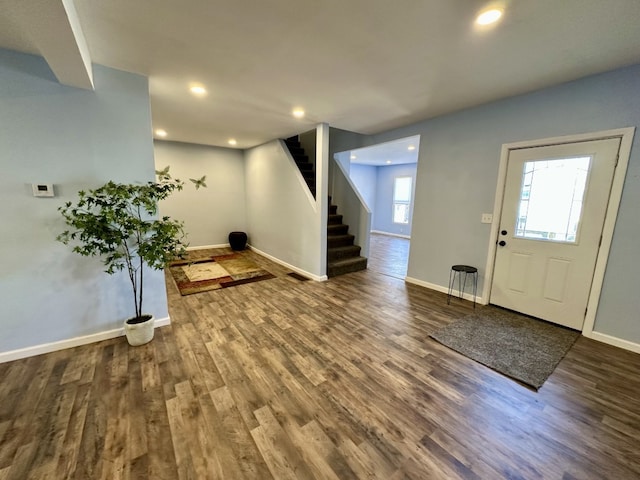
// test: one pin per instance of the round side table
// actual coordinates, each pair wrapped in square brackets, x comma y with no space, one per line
[462,271]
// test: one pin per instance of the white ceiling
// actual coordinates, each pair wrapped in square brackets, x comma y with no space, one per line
[396,152]
[360,65]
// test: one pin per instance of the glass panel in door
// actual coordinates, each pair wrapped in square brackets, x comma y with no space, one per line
[551,198]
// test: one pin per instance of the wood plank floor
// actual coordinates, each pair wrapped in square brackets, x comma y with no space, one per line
[290,379]
[388,255]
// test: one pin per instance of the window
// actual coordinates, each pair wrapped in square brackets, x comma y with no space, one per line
[401,199]
[551,198]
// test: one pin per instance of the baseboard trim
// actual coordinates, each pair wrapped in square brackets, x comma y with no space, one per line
[615,341]
[70,343]
[440,288]
[317,278]
[389,234]
[204,247]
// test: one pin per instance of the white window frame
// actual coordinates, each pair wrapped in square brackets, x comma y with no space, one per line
[395,202]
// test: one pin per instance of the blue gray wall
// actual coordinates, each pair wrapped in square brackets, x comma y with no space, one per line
[457,178]
[365,178]
[283,218]
[209,214]
[375,185]
[75,139]
[383,211]
[340,141]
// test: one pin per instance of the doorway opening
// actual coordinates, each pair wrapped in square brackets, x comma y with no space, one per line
[384,176]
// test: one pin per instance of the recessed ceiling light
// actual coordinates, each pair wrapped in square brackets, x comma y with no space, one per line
[298,112]
[353,157]
[411,148]
[161,133]
[488,17]
[388,162]
[232,141]
[198,90]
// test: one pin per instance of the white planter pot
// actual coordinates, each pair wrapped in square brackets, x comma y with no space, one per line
[139,333]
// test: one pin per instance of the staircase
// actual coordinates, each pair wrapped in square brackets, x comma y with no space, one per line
[342,255]
[303,163]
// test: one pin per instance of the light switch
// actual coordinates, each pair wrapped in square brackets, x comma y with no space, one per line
[487,218]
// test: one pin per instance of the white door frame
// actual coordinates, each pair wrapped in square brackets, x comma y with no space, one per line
[626,139]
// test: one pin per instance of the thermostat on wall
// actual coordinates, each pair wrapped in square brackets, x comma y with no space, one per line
[42,189]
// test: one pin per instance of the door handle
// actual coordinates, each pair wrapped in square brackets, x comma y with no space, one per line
[503,232]
[502,243]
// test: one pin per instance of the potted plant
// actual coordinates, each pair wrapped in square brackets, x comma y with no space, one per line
[119,222]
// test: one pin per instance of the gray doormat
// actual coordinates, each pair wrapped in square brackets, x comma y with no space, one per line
[515,345]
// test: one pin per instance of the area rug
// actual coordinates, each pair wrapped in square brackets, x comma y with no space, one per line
[215,272]
[515,345]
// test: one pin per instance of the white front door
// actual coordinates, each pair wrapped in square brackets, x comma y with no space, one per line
[554,206]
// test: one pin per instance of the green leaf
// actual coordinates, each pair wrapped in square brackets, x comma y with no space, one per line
[118,222]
